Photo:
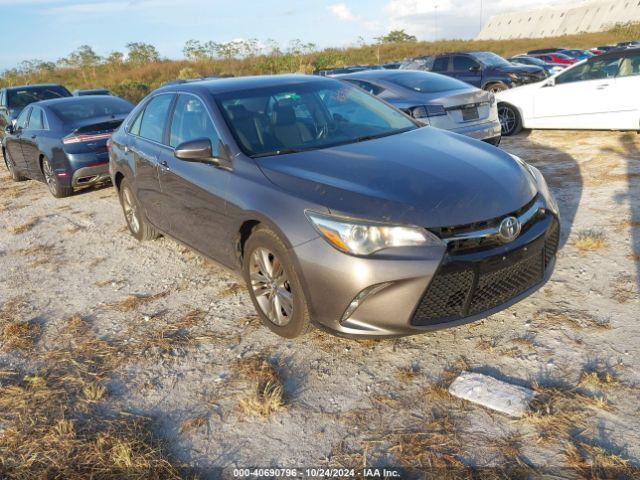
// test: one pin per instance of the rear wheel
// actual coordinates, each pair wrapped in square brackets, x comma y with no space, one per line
[274,285]
[138,225]
[16,176]
[510,119]
[52,181]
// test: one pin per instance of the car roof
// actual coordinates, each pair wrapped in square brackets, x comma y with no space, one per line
[224,85]
[87,98]
[383,74]
[35,85]
[616,53]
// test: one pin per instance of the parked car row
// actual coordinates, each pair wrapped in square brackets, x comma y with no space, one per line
[338,209]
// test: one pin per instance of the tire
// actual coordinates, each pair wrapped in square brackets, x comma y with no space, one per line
[510,119]
[274,285]
[16,176]
[137,223]
[50,178]
[496,87]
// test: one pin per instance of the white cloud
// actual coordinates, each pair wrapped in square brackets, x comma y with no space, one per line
[342,12]
[450,18]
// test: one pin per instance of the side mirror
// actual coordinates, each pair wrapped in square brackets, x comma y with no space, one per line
[196,151]
[9,129]
[475,69]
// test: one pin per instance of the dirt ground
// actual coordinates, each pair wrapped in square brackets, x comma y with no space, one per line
[174,340]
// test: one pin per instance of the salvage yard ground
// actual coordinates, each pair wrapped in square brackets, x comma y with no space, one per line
[128,359]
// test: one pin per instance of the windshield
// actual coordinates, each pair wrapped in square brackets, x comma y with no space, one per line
[307,116]
[490,59]
[89,107]
[424,82]
[22,97]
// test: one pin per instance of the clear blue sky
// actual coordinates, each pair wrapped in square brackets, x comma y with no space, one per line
[51,29]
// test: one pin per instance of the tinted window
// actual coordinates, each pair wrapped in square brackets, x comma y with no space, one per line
[490,59]
[80,109]
[366,86]
[35,121]
[155,117]
[22,97]
[441,64]
[191,121]
[630,66]
[307,116]
[463,64]
[425,82]
[21,122]
[596,70]
[135,126]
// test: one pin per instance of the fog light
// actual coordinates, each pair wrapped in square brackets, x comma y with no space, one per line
[361,297]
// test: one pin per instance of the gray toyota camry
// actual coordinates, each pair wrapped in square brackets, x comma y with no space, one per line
[339,210]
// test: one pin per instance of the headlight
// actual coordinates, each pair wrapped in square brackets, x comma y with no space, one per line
[514,76]
[361,237]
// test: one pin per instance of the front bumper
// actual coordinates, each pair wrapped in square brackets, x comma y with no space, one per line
[421,293]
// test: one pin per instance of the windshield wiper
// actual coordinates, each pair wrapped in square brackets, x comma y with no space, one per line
[381,135]
[283,151]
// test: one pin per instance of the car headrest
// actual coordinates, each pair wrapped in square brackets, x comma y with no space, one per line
[238,112]
[283,115]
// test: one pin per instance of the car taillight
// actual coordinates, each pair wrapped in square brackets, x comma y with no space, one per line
[85,138]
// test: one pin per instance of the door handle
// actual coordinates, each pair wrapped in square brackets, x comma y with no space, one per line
[164,166]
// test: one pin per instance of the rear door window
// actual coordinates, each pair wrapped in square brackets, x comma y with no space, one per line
[441,64]
[154,118]
[35,121]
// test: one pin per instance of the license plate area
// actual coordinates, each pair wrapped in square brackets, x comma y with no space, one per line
[469,114]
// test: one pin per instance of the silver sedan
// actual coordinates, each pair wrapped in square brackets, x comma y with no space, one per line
[435,100]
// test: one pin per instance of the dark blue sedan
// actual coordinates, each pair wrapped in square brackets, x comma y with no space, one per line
[63,142]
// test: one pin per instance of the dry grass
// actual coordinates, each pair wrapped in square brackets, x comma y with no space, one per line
[193,424]
[55,425]
[595,463]
[41,254]
[624,288]
[233,289]
[438,391]
[598,378]
[575,319]
[16,332]
[25,227]
[133,302]
[590,241]
[557,412]
[408,374]
[267,395]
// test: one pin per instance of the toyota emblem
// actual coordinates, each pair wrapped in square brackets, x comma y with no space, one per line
[509,229]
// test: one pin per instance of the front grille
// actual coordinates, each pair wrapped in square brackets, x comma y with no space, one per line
[498,287]
[461,289]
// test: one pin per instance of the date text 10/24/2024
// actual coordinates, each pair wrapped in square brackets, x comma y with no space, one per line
[338,473]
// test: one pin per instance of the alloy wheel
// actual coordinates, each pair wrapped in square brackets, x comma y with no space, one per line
[508,119]
[49,176]
[271,286]
[130,210]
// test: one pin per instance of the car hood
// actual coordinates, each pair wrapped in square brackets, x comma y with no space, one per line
[520,69]
[425,177]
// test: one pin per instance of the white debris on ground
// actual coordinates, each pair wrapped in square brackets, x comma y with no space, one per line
[492,393]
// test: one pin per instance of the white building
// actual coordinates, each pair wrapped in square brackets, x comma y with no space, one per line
[592,16]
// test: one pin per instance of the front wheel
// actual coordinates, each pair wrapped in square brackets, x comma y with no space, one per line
[496,87]
[274,285]
[510,119]
[52,181]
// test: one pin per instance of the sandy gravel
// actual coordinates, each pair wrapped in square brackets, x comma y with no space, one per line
[346,402]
